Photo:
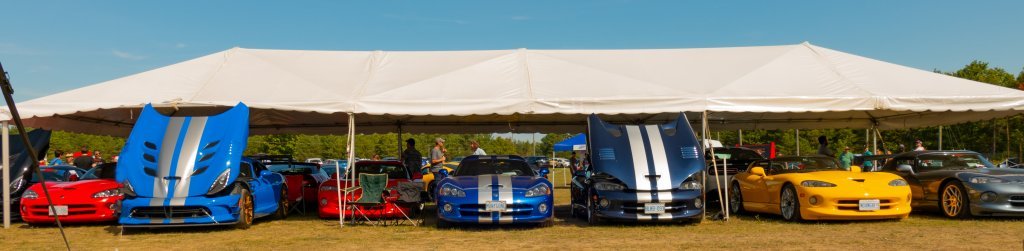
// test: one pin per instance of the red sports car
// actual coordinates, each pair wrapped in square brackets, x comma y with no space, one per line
[397,173]
[78,196]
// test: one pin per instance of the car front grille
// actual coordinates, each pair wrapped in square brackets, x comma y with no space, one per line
[170,212]
[510,209]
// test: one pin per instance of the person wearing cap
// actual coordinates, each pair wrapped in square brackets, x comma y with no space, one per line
[475,147]
[919,146]
[846,158]
[411,157]
[823,147]
[437,157]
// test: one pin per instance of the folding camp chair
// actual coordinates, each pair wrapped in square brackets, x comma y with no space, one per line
[371,196]
[409,197]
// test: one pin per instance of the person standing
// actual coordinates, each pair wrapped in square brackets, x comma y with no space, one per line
[823,147]
[412,158]
[846,158]
[918,145]
[96,158]
[868,164]
[83,152]
[475,147]
[437,157]
[573,162]
[57,161]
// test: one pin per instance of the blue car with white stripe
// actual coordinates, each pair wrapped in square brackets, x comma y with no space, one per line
[189,171]
[640,173]
[490,190]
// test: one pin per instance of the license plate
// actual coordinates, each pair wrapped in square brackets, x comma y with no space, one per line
[654,208]
[61,210]
[494,206]
[869,205]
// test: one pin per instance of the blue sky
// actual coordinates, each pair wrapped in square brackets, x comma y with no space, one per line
[51,46]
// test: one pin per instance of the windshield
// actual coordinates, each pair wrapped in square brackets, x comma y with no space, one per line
[329,169]
[293,168]
[734,153]
[58,173]
[953,161]
[804,164]
[104,171]
[394,171]
[494,166]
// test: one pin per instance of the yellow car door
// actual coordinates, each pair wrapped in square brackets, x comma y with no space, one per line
[752,184]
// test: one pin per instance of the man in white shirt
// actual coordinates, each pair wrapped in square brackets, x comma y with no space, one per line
[473,145]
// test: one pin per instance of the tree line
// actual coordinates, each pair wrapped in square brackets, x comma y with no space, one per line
[997,138]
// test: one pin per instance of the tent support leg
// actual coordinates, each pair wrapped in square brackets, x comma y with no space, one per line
[940,138]
[7,175]
[797,138]
[704,145]
[351,149]
[400,142]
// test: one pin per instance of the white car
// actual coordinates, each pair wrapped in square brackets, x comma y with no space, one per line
[561,162]
[318,161]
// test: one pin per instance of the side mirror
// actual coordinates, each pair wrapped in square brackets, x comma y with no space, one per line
[855,169]
[265,173]
[905,168]
[544,172]
[759,171]
[443,172]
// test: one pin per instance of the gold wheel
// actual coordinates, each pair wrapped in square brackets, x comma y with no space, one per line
[246,208]
[952,200]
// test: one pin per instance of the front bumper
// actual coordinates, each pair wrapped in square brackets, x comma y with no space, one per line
[680,205]
[98,210]
[894,203]
[328,208]
[197,210]
[1008,199]
[469,210]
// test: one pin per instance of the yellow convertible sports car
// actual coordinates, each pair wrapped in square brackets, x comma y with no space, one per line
[817,188]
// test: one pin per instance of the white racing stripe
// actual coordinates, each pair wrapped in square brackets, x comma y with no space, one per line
[484,194]
[187,158]
[505,194]
[164,160]
[639,153]
[660,164]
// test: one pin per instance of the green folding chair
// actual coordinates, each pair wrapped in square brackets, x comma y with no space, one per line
[372,195]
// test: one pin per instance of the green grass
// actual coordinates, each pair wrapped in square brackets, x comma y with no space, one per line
[920,231]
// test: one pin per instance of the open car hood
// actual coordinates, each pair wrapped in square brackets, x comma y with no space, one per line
[176,157]
[20,159]
[645,157]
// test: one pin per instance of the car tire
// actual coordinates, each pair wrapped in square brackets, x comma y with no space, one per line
[282,204]
[592,218]
[245,209]
[789,204]
[548,223]
[954,201]
[735,199]
[443,224]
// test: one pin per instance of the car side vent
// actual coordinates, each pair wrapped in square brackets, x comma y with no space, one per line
[207,156]
[150,171]
[606,154]
[149,145]
[211,144]
[148,157]
[200,170]
[688,152]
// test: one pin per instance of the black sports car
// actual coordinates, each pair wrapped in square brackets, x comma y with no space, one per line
[960,183]
[20,162]
[734,159]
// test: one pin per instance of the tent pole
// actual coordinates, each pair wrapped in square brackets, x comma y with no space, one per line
[704,146]
[940,138]
[7,174]
[400,142]
[351,166]
[797,142]
[741,137]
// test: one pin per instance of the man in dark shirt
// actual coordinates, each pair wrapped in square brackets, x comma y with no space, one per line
[84,162]
[411,157]
[823,148]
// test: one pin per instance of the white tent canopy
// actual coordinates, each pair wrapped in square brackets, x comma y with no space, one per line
[765,87]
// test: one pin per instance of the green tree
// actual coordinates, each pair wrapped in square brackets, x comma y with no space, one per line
[979,71]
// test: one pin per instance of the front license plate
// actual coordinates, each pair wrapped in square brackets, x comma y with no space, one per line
[654,208]
[60,210]
[869,205]
[494,206]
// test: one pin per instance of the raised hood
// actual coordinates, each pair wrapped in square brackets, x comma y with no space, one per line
[169,157]
[645,157]
[20,159]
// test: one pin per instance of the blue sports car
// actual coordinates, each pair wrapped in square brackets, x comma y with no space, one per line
[640,173]
[494,190]
[186,171]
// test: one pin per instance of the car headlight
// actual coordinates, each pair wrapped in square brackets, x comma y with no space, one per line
[17,184]
[220,183]
[608,186]
[107,193]
[986,180]
[127,188]
[538,190]
[451,190]
[30,194]
[898,183]
[816,183]
[328,188]
[690,185]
